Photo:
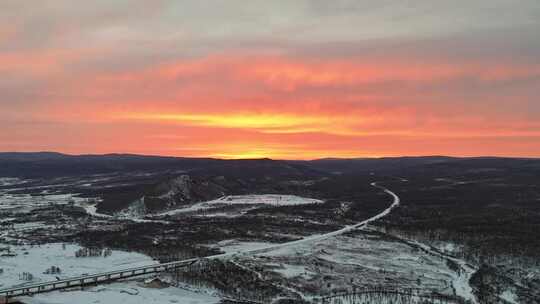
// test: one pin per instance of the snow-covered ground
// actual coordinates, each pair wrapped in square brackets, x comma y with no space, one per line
[290,271]
[233,246]
[387,299]
[27,202]
[9,181]
[332,263]
[250,201]
[509,296]
[91,209]
[461,280]
[37,259]
[271,199]
[126,292]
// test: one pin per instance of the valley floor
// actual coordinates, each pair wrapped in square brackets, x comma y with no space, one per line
[304,268]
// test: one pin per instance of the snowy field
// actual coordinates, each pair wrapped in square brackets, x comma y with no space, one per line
[247,201]
[271,200]
[27,202]
[374,259]
[37,259]
[127,292]
[289,271]
[387,299]
[232,246]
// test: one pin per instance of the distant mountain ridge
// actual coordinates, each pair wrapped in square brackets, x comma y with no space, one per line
[47,164]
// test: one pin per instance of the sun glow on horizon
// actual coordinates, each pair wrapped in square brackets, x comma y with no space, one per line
[289,152]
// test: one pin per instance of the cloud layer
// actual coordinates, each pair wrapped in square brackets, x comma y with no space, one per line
[283,79]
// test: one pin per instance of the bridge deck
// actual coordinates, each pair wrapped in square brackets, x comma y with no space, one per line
[105,277]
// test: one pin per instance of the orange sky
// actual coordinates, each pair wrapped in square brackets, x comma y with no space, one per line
[292,81]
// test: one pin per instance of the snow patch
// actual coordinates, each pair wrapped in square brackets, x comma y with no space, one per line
[9,181]
[256,200]
[128,292]
[291,271]
[509,296]
[233,246]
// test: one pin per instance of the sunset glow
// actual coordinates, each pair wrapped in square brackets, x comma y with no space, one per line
[227,120]
[294,80]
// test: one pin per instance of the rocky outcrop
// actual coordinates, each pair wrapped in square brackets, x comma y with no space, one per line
[181,190]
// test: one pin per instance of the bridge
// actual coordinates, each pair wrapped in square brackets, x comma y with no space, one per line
[93,279]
